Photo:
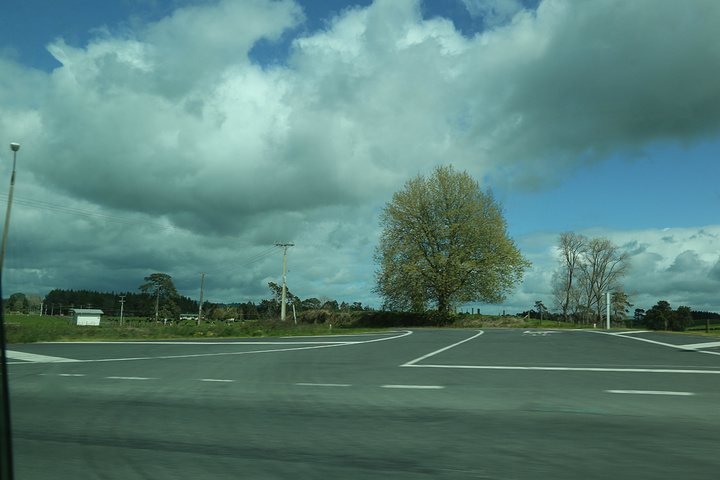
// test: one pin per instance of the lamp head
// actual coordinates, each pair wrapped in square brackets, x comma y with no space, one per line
[15,147]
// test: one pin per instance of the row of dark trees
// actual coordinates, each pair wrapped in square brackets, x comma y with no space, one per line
[60,302]
[660,317]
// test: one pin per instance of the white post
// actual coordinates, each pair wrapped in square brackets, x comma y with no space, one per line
[607,308]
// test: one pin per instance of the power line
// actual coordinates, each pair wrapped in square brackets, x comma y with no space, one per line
[243,263]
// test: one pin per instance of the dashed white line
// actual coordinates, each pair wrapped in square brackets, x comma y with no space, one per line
[219,380]
[651,392]
[324,384]
[129,378]
[416,387]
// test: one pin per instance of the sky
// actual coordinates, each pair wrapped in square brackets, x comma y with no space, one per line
[191,136]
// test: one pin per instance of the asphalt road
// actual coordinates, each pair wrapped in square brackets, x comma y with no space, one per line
[422,404]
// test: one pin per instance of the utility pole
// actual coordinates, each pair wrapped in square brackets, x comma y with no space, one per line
[283,307]
[122,305]
[202,286]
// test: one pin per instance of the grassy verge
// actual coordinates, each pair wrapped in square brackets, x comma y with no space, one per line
[33,328]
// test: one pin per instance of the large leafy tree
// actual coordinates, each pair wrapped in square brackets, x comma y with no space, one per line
[17,302]
[161,286]
[445,243]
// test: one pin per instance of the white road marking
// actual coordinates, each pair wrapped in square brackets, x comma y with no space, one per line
[701,345]
[420,359]
[679,347]
[651,392]
[35,358]
[219,344]
[71,375]
[129,378]
[417,387]
[374,334]
[323,384]
[569,369]
[312,345]
[221,380]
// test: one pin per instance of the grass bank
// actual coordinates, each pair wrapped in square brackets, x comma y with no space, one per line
[34,328]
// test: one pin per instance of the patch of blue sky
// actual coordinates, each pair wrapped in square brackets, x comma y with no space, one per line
[651,191]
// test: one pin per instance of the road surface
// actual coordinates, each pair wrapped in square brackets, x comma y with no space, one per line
[411,404]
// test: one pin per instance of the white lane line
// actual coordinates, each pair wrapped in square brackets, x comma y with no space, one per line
[374,334]
[420,359]
[701,345]
[323,384]
[71,375]
[570,369]
[401,334]
[416,387]
[220,380]
[34,357]
[651,392]
[219,344]
[679,347]
[129,378]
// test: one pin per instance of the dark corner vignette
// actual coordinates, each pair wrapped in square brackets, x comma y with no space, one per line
[6,467]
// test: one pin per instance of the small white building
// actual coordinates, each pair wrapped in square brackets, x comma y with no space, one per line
[86,316]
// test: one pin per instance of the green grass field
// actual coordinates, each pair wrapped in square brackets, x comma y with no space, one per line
[35,328]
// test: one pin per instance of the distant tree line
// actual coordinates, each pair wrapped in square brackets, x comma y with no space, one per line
[60,302]
[159,299]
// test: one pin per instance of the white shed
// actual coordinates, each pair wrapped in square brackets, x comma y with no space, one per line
[87,316]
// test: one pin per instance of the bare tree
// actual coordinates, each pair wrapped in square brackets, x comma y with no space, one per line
[571,248]
[587,269]
[602,267]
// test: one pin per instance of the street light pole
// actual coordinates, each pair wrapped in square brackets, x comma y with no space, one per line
[14,147]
